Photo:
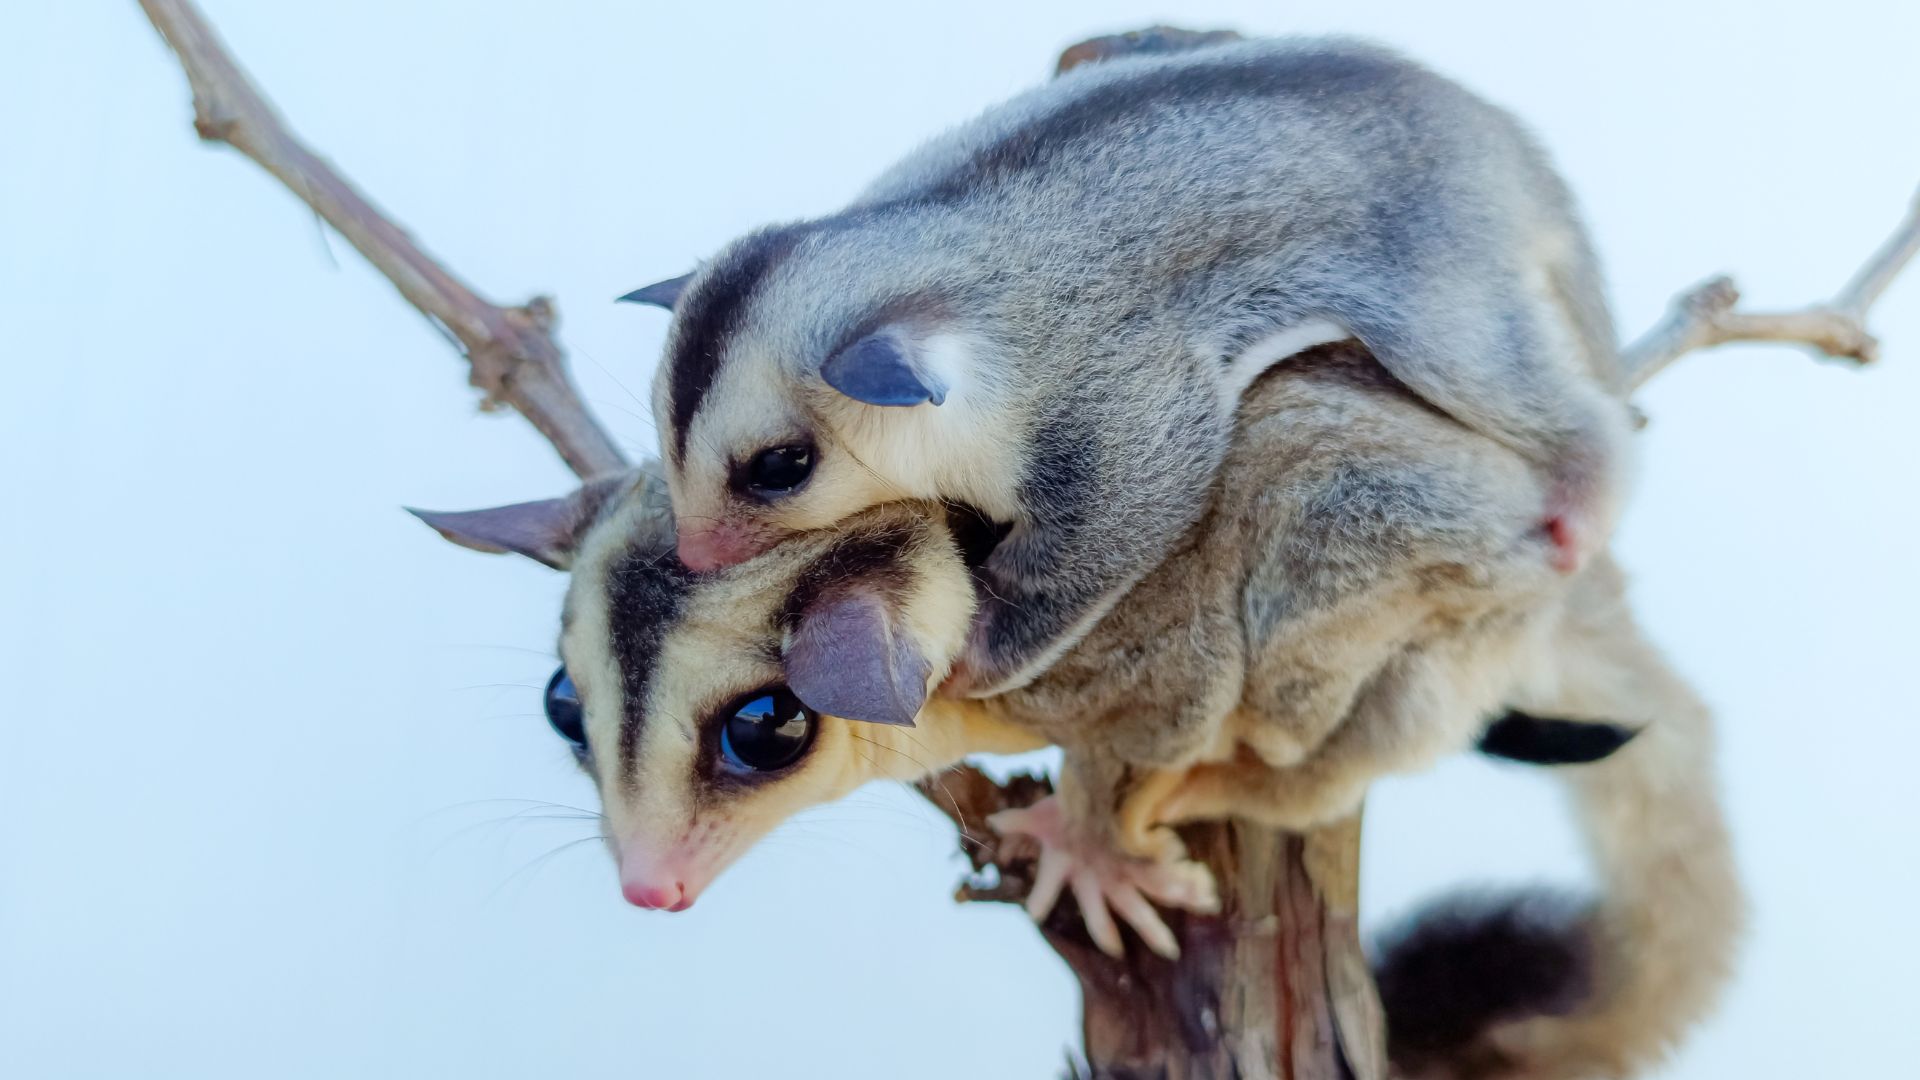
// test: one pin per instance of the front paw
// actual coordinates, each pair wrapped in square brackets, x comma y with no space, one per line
[1106,882]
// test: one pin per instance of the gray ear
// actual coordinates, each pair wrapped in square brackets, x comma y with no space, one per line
[660,294]
[546,531]
[875,370]
[848,659]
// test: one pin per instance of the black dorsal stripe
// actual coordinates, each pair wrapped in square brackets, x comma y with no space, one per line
[1324,74]
[713,311]
[646,593]
[710,315]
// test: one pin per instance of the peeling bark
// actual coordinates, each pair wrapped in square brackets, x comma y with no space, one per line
[1275,987]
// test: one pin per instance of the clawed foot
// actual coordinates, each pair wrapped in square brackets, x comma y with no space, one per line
[1106,882]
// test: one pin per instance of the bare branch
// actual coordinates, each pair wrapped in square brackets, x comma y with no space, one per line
[514,357]
[1276,984]
[1705,315]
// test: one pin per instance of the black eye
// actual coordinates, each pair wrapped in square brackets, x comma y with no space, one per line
[766,732]
[564,711]
[778,470]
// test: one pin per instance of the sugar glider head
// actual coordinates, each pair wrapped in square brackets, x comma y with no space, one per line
[708,708]
[812,371]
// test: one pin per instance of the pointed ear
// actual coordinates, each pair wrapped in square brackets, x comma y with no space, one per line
[660,294]
[850,658]
[546,531]
[875,370]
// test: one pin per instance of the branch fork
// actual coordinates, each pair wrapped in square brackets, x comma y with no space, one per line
[1273,987]
[1708,314]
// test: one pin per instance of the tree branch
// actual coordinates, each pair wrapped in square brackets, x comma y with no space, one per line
[1274,986]
[1705,315]
[513,355]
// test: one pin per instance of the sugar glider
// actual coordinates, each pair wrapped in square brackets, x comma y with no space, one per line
[1050,312]
[1364,589]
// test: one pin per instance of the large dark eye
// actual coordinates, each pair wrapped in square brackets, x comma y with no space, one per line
[564,711]
[766,732]
[778,470]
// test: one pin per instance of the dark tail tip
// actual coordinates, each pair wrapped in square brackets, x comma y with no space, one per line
[1540,741]
[1469,962]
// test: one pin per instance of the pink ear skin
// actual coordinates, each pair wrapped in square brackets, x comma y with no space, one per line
[848,659]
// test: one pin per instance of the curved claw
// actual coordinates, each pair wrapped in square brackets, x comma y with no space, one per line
[1048,879]
[1091,894]
[1106,883]
[1146,922]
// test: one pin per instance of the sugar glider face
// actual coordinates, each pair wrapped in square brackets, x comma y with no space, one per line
[787,401]
[710,707]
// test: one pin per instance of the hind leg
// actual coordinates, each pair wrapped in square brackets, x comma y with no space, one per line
[1524,356]
[1397,577]
[1426,703]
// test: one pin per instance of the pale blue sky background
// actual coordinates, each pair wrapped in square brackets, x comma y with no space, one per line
[260,733]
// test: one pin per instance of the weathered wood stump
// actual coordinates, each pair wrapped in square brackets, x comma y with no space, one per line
[1274,987]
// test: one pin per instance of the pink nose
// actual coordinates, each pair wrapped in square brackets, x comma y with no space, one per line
[702,550]
[661,897]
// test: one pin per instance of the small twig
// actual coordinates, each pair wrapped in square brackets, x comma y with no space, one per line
[1283,960]
[514,358]
[1704,316]
[968,797]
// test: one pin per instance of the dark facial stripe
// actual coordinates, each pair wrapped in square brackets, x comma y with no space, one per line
[705,320]
[1090,117]
[646,593]
[873,557]
[708,316]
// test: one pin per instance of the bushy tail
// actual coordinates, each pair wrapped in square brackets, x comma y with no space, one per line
[1541,986]
[1472,962]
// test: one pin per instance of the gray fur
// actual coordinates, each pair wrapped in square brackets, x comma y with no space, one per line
[1363,589]
[1349,604]
[1113,241]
